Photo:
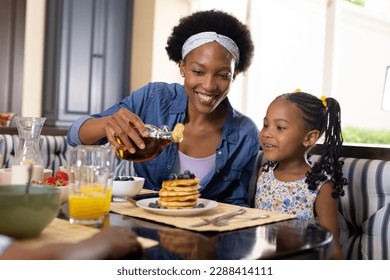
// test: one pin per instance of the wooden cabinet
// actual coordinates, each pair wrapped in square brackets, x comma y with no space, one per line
[87,57]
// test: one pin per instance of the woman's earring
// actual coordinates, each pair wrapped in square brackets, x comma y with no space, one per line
[182,74]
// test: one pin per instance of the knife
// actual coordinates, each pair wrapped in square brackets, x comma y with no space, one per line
[219,218]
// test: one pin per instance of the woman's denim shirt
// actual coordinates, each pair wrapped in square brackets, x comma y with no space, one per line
[166,104]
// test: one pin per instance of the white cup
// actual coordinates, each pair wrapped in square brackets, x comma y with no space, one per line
[19,174]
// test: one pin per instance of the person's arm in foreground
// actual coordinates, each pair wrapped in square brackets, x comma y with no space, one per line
[109,243]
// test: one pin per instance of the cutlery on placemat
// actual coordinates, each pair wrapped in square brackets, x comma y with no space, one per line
[258,217]
[216,220]
[225,221]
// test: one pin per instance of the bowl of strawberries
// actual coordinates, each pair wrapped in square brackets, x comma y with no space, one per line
[6,118]
[59,181]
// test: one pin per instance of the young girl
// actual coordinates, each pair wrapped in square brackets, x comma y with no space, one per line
[288,183]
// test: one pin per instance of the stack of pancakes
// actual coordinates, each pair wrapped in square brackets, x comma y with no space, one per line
[180,193]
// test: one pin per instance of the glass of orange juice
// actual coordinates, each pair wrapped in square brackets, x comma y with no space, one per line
[90,179]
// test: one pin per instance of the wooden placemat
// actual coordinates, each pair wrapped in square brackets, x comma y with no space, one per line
[129,209]
[60,231]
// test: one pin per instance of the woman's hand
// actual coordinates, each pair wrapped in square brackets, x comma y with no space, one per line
[126,125]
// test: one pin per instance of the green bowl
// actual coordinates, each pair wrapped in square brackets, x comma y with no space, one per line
[25,216]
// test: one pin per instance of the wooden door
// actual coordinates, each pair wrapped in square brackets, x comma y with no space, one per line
[87,57]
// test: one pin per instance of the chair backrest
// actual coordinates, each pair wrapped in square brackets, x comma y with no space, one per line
[365,209]
[123,167]
[53,150]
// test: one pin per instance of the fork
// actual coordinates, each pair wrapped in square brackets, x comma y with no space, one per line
[263,216]
[218,221]
[225,221]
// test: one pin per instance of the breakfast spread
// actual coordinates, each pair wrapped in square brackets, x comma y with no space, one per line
[180,191]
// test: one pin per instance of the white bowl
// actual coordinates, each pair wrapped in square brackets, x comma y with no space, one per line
[127,188]
[64,193]
[5,175]
[64,169]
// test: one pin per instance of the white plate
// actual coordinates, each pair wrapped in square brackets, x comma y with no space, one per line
[208,204]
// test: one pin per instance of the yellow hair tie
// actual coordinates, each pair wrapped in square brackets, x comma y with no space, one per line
[323,99]
[298,90]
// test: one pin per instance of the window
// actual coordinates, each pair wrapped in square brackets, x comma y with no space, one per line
[333,48]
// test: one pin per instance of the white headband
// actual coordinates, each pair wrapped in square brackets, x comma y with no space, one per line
[206,37]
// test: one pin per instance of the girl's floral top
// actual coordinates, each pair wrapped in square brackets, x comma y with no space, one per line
[285,197]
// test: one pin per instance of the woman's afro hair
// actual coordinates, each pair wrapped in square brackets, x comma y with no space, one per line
[212,20]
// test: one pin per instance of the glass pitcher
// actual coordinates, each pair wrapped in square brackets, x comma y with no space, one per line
[29,129]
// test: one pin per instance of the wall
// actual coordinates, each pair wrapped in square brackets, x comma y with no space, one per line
[143,31]
[167,15]
[33,58]
[153,21]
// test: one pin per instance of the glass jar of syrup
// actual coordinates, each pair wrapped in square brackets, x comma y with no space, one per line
[157,140]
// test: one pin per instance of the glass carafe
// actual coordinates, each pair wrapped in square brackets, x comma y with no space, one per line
[29,129]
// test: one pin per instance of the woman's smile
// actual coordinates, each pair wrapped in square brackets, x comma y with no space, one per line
[205,98]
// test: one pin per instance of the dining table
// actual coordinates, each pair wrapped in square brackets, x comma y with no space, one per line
[252,234]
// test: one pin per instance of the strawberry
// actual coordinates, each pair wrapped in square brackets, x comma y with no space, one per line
[60,179]
[50,181]
[62,175]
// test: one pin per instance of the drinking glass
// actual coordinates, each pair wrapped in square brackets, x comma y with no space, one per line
[90,183]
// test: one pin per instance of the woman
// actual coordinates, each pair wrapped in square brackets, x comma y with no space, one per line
[220,144]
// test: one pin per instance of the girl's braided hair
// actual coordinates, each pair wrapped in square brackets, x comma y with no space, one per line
[212,20]
[324,115]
